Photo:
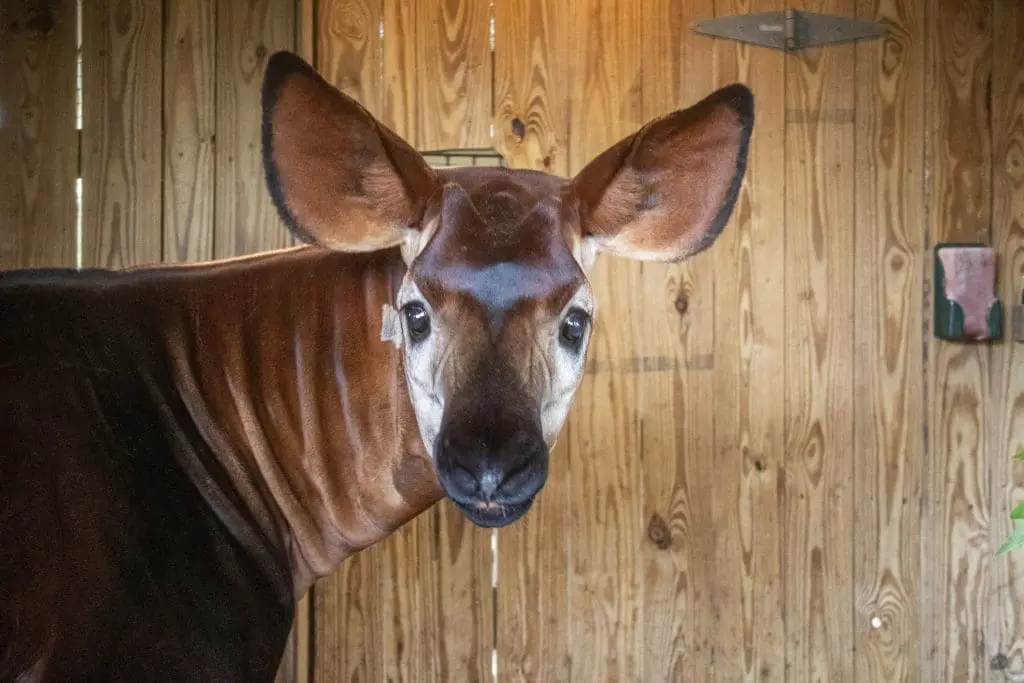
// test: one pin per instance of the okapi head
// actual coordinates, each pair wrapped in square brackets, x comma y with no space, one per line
[495,311]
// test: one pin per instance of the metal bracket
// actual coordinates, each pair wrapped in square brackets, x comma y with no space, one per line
[789,30]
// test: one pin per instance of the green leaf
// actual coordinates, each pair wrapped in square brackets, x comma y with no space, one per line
[1016,539]
[1019,455]
[1018,512]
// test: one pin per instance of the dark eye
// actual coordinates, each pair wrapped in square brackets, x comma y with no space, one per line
[417,320]
[574,327]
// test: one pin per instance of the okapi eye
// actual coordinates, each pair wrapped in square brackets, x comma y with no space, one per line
[573,328]
[417,320]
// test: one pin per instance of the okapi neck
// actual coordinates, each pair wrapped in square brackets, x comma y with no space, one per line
[280,362]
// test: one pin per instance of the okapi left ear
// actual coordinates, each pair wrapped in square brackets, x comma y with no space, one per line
[665,192]
[337,176]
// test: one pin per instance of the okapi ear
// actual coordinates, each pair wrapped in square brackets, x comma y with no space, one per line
[665,192]
[337,176]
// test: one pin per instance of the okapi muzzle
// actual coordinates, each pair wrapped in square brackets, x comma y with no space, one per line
[491,456]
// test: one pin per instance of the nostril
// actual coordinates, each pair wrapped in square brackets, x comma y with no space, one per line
[463,479]
[525,482]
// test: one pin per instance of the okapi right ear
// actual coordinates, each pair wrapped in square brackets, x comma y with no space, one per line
[337,176]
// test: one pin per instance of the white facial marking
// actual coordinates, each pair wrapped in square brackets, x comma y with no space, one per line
[424,363]
[427,360]
[564,366]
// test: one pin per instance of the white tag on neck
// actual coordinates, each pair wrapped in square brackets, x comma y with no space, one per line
[390,327]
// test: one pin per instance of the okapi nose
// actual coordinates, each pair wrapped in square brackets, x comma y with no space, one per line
[508,471]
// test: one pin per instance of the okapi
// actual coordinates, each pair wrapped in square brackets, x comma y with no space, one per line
[185,449]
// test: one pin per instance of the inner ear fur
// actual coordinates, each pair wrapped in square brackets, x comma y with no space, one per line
[666,192]
[337,176]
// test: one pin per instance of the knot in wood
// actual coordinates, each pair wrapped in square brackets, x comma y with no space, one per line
[1000,662]
[682,304]
[659,533]
[518,128]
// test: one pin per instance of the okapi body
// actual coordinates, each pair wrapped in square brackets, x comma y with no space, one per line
[184,449]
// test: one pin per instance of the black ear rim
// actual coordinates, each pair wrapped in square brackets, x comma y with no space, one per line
[280,66]
[737,97]
[740,99]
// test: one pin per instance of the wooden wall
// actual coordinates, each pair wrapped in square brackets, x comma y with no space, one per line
[773,471]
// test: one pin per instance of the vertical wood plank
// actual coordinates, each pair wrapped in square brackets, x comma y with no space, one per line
[415,607]
[675,320]
[349,48]
[189,115]
[122,161]
[531,76]
[1004,633]
[532,81]
[603,437]
[955,553]
[348,620]
[38,136]
[399,72]
[889,259]
[819,278]
[305,30]
[248,32]
[746,478]
[437,72]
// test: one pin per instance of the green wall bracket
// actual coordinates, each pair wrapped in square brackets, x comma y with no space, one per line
[966,307]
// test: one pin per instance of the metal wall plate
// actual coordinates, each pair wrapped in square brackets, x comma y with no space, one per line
[789,29]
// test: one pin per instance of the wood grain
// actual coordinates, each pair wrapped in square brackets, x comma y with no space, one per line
[437,72]
[890,260]
[532,83]
[1004,633]
[818,399]
[955,547]
[675,318]
[38,136]
[415,607]
[349,48]
[746,476]
[122,164]
[248,33]
[306,20]
[603,438]
[189,116]
[349,621]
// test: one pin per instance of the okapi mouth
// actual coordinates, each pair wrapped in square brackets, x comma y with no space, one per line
[492,475]
[494,515]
